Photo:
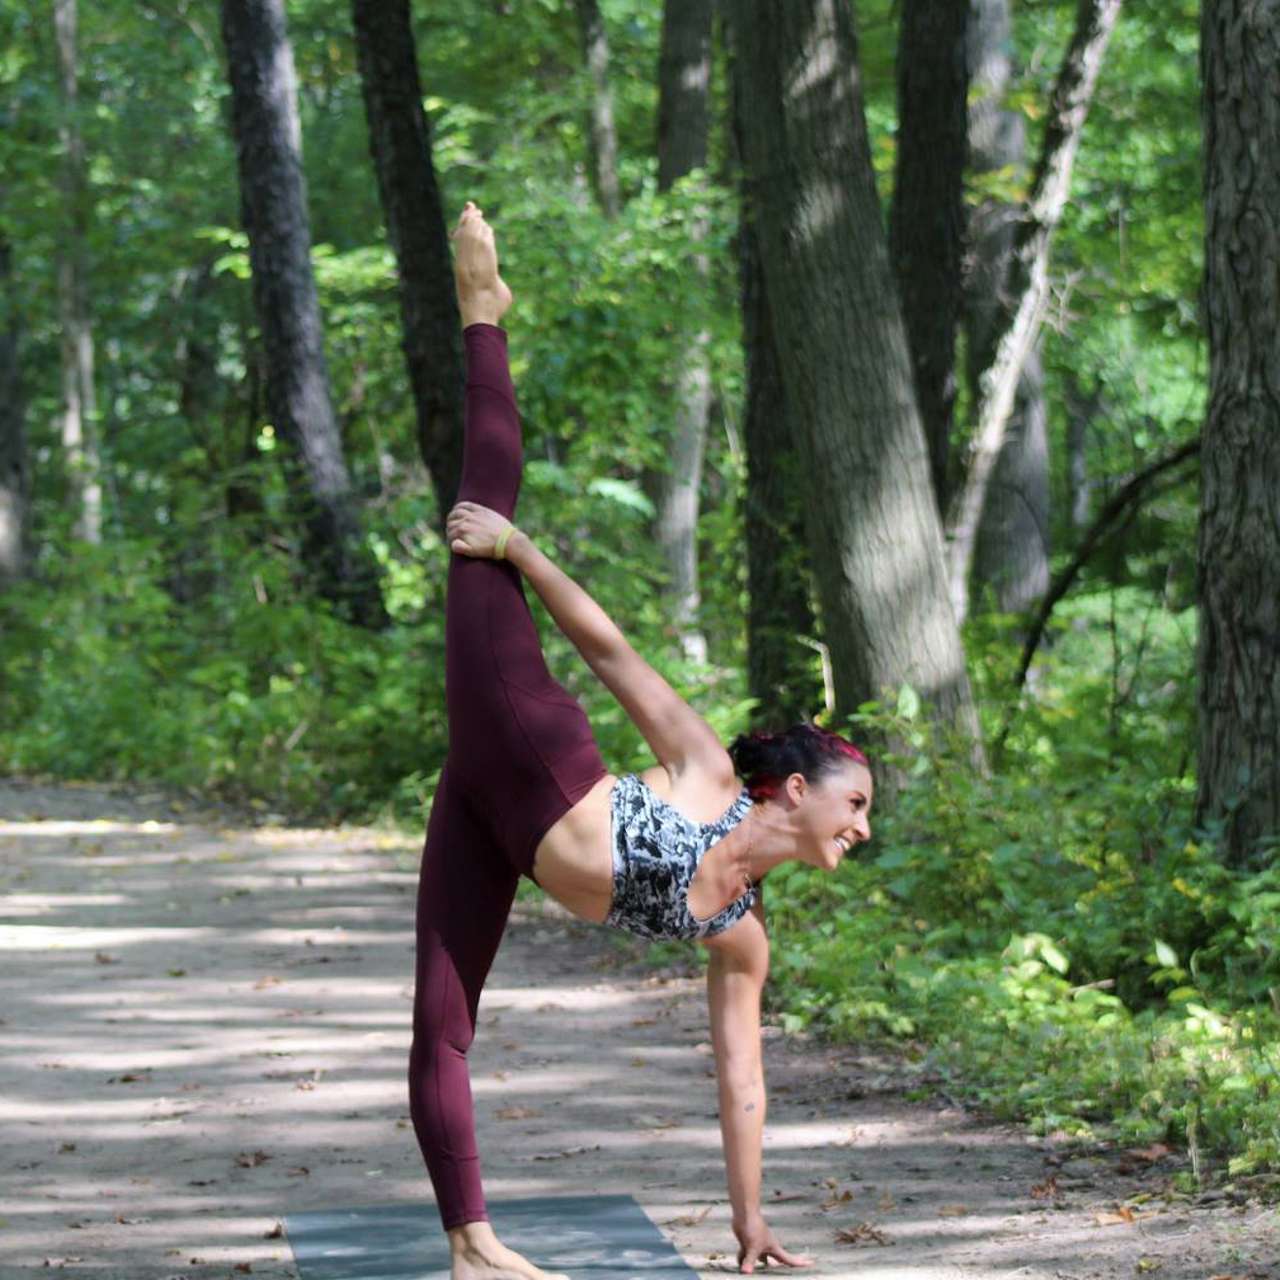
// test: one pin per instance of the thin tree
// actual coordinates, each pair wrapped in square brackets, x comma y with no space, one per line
[274,211]
[79,402]
[602,137]
[927,221]
[1238,551]
[684,80]
[400,143]
[1011,556]
[13,440]
[872,521]
[1029,282]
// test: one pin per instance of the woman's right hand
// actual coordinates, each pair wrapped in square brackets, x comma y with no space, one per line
[473,530]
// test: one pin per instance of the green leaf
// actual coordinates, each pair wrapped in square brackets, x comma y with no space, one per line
[1166,955]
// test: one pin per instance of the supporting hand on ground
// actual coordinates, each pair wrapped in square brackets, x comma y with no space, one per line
[757,1244]
[473,530]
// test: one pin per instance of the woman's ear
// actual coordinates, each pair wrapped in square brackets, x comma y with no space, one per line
[795,787]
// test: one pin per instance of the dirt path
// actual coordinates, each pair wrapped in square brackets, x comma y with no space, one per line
[204,1028]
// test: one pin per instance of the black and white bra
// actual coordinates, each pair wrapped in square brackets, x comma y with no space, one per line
[656,851]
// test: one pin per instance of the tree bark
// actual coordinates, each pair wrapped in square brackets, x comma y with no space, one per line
[872,521]
[684,79]
[927,222]
[1081,408]
[274,211]
[14,472]
[400,142]
[1029,282]
[79,403]
[1239,539]
[1012,552]
[602,138]
[780,664]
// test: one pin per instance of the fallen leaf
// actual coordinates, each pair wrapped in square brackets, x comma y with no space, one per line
[251,1160]
[570,1151]
[952,1211]
[842,1197]
[643,1022]
[267,980]
[1122,1215]
[517,1113]
[688,1220]
[1047,1189]
[1148,1264]
[886,1202]
[863,1233]
[1157,1151]
[102,958]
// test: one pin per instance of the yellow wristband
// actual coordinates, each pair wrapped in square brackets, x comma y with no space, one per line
[500,547]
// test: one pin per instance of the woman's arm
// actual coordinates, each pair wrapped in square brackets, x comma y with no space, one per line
[677,735]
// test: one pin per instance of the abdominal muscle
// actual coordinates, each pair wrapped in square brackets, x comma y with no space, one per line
[574,860]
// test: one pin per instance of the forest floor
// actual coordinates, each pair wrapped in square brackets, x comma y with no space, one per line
[205,1024]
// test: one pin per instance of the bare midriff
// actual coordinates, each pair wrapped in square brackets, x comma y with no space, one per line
[574,860]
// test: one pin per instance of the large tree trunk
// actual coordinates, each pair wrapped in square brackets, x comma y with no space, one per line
[274,211]
[602,138]
[400,141]
[1029,283]
[1239,541]
[79,403]
[684,78]
[926,224]
[1012,553]
[780,622]
[873,528]
[13,439]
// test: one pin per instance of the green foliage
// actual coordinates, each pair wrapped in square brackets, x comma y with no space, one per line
[1070,950]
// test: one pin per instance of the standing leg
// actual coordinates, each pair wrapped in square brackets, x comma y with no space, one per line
[464,897]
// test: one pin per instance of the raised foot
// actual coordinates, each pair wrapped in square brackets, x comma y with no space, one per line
[483,295]
[497,1262]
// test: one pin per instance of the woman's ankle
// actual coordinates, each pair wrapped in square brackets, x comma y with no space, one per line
[471,1235]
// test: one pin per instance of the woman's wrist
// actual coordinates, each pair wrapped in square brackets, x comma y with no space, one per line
[519,544]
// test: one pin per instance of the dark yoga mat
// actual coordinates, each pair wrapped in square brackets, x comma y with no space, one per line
[581,1235]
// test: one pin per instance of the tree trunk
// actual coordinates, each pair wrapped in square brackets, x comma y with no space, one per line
[1081,408]
[926,224]
[684,78]
[780,621]
[602,139]
[400,142]
[1239,540]
[872,521]
[1029,282]
[1012,552]
[13,440]
[274,211]
[79,403]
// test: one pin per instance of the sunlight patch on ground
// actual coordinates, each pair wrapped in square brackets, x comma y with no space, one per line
[93,827]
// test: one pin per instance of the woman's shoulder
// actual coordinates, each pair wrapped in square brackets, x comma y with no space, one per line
[701,794]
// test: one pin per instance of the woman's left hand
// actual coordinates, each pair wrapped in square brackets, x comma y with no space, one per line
[757,1243]
[473,530]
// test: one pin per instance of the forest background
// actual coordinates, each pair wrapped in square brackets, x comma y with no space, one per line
[1057,929]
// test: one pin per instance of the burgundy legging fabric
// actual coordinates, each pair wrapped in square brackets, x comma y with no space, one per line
[521,754]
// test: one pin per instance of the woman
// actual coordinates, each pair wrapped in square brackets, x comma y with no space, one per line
[677,851]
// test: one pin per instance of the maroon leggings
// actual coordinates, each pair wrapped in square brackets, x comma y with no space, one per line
[521,754]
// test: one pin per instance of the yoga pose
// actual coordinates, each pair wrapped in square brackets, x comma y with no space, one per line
[677,851]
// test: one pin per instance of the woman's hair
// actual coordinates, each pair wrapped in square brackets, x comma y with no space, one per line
[765,760]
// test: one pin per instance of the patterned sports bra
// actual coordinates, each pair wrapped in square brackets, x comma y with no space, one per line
[656,851]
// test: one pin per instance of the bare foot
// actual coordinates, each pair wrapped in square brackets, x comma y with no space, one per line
[482,1256]
[483,296]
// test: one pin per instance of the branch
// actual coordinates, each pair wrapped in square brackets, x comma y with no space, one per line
[1128,497]
[1095,21]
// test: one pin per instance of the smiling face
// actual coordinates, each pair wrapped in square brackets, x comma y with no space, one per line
[831,813]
